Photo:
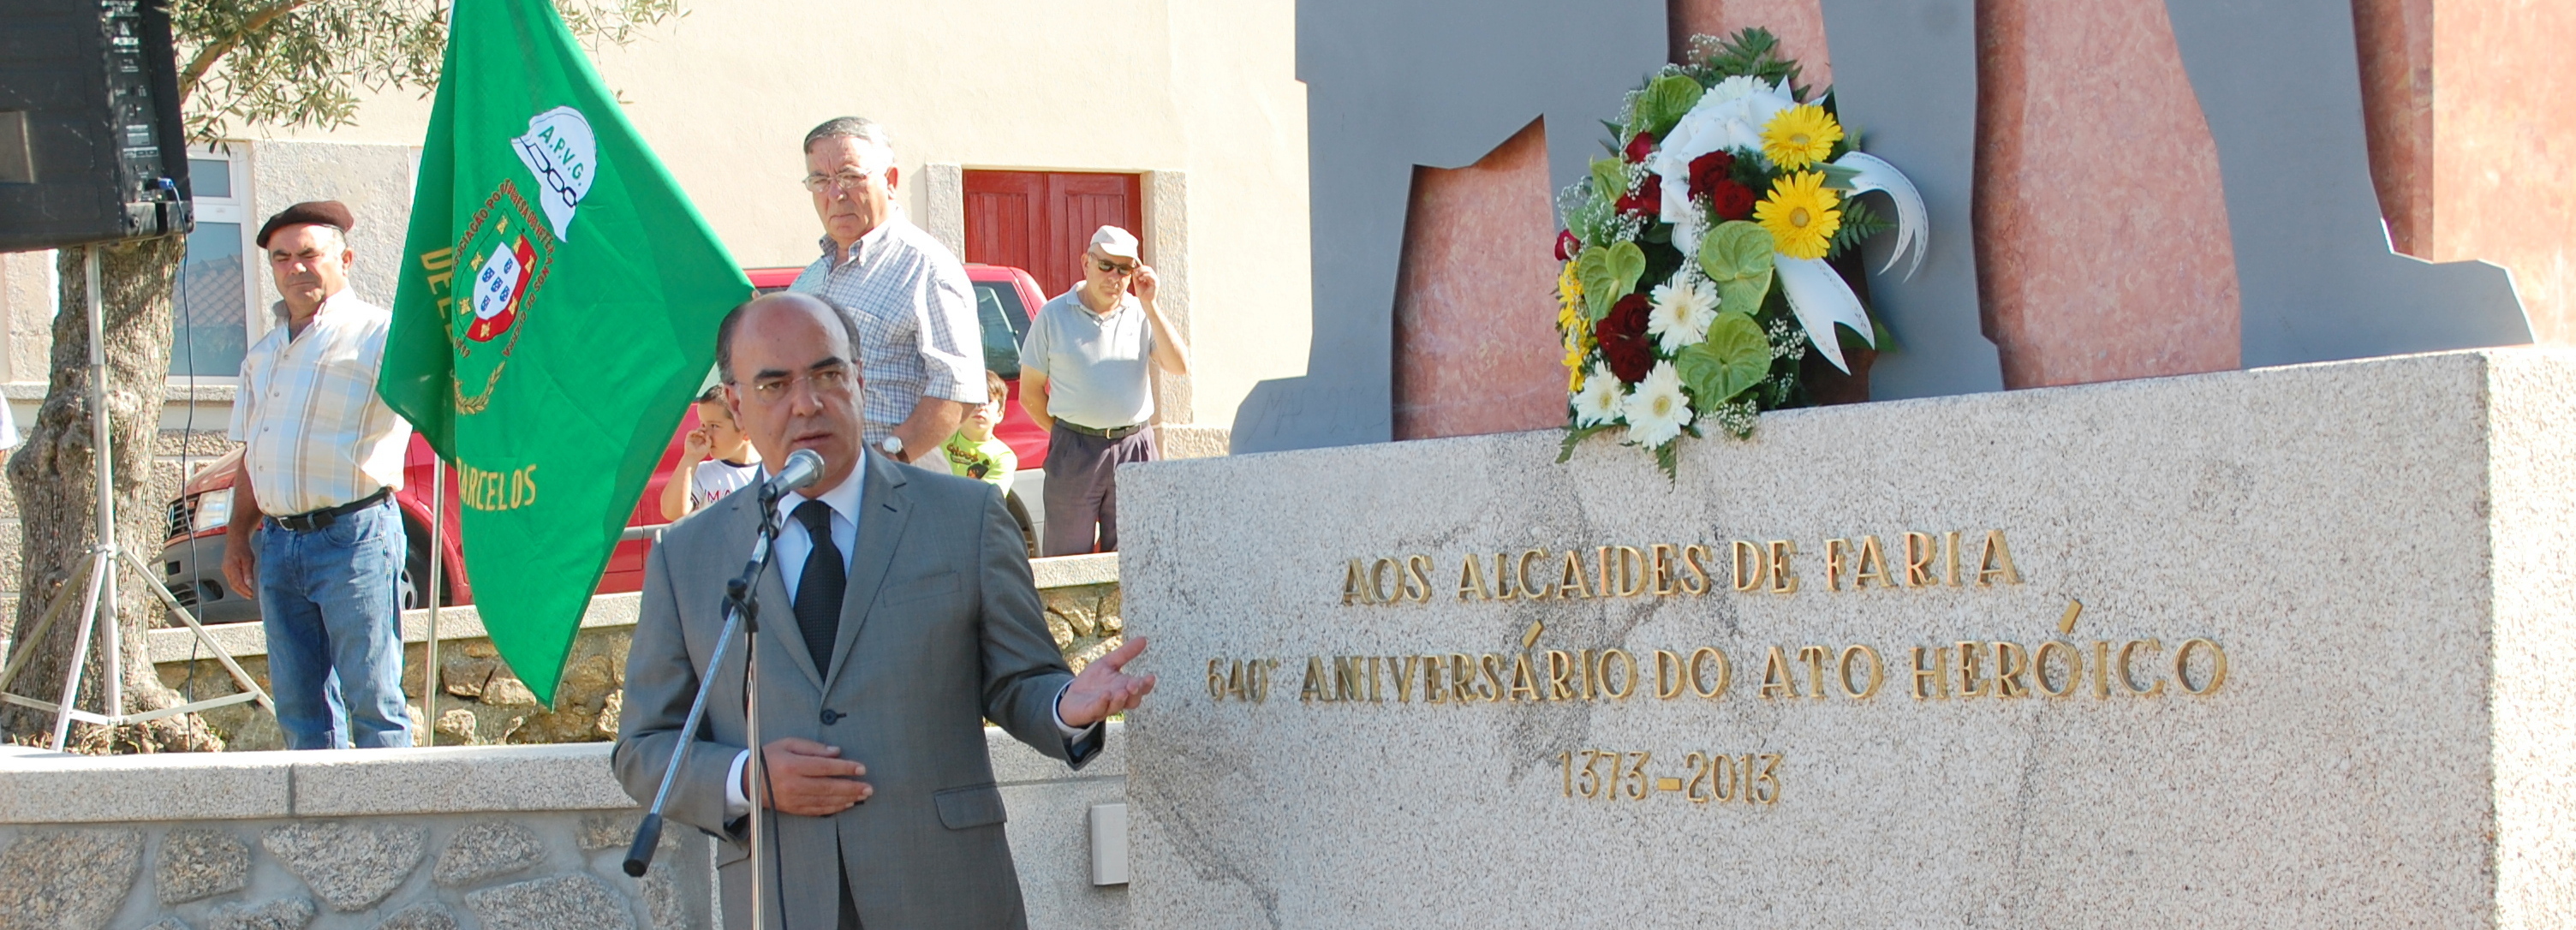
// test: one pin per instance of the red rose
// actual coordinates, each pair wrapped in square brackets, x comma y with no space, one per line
[1622,335]
[1567,245]
[1707,170]
[1647,199]
[1731,201]
[1641,146]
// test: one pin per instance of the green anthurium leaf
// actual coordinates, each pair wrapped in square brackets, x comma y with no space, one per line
[1730,361]
[1628,262]
[1744,295]
[1600,286]
[1736,250]
[1609,179]
[1837,177]
[1667,100]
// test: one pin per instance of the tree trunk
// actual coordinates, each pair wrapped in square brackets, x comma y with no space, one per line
[54,475]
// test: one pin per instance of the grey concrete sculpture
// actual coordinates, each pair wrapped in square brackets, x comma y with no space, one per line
[1391,84]
[2280,82]
[1905,76]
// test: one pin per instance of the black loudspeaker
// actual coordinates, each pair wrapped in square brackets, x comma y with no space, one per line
[91,145]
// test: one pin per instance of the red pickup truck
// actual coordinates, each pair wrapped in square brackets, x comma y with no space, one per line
[193,557]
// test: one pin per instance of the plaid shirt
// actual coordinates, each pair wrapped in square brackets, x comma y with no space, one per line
[314,433]
[912,311]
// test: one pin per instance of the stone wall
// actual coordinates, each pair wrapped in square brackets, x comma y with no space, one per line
[496,838]
[481,701]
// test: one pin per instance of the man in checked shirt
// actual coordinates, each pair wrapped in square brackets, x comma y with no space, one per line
[905,296]
[315,530]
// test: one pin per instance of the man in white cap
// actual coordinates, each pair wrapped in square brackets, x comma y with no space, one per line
[1083,375]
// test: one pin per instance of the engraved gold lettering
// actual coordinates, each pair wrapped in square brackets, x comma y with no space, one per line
[1749,566]
[1569,582]
[1591,674]
[1504,589]
[1777,680]
[1950,552]
[1920,550]
[1631,570]
[1349,678]
[2101,669]
[1872,565]
[1609,586]
[1402,668]
[1995,562]
[1937,677]
[1375,666]
[1834,567]
[1659,567]
[1462,678]
[1783,581]
[1386,580]
[1471,580]
[1725,671]
[1435,687]
[2011,662]
[1417,581]
[1216,682]
[1521,573]
[2074,668]
[1491,689]
[2129,680]
[2217,666]
[1628,668]
[1877,672]
[1560,675]
[1969,685]
[1668,674]
[1814,656]
[1695,559]
[1524,679]
[1314,688]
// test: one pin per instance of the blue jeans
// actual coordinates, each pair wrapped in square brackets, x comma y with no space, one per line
[327,598]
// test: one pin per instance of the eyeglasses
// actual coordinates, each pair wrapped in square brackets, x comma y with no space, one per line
[1113,268]
[847,181]
[834,381]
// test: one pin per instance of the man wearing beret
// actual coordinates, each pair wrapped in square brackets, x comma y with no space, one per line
[314,528]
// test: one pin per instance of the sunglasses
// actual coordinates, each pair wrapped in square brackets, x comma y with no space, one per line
[1113,268]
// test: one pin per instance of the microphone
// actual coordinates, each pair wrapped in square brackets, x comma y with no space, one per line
[803,468]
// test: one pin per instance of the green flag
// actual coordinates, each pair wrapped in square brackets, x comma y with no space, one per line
[558,308]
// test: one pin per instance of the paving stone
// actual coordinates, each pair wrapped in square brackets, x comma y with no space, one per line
[196,864]
[663,902]
[352,867]
[488,849]
[564,902]
[291,914]
[73,880]
[427,915]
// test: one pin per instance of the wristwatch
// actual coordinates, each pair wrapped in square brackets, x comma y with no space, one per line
[893,445]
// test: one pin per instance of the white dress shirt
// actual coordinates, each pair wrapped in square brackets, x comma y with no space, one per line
[789,553]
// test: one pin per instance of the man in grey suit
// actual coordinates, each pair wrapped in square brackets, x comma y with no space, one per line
[930,627]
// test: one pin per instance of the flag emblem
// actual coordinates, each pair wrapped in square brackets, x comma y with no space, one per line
[511,253]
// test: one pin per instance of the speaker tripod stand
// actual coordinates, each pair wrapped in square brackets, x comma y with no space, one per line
[98,595]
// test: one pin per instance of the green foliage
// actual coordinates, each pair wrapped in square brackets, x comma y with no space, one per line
[1735,357]
[1608,274]
[1737,255]
[306,62]
[1754,52]
[1837,177]
[1859,223]
[1609,179]
[1666,101]
[1575,435]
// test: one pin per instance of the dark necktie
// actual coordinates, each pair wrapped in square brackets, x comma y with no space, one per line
[818,591]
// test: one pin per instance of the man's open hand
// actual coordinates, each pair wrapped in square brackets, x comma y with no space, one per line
[810,779]
[1104,687]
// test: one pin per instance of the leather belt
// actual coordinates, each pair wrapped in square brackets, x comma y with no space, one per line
[1118,433]
[319,519]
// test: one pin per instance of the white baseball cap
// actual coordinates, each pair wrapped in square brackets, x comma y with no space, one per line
[1115,242]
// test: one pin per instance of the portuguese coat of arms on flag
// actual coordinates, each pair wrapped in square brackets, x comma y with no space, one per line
[557,310]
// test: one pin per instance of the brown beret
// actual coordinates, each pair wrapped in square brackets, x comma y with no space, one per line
[309,213]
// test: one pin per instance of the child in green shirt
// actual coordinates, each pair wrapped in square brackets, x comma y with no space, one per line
[974,452]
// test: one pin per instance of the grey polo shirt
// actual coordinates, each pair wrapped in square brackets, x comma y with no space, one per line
[1096,366]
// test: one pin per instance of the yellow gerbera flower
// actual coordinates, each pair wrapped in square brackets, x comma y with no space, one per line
[1800,136]
[1800,214]
[1570,322]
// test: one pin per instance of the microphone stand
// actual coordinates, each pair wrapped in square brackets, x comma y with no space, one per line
[742,611]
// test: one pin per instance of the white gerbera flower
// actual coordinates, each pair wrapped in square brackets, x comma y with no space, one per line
[1599,402]
[1733,87]
[1683,309]
[1657,410]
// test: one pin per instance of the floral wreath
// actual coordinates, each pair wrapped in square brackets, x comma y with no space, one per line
[1725,179]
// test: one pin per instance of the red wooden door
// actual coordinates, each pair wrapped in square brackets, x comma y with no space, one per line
[1042,220]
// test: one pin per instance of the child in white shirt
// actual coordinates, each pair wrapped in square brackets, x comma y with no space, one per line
[715,459]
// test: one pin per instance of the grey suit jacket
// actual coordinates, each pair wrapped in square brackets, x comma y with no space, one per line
[941,630]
